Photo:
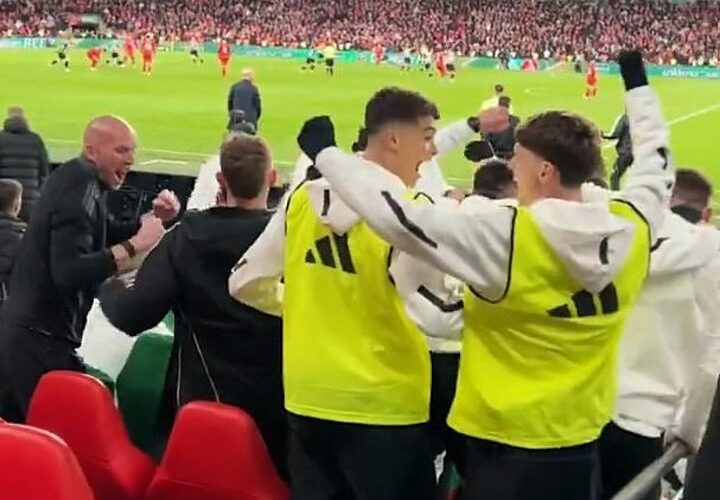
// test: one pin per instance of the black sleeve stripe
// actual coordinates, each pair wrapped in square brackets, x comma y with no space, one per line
[420,194]
[445,307]
[510,265]
[408,224]
[326,202]
[604,251]
[388,262]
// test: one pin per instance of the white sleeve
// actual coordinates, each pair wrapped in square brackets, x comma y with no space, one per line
[431,301]
[703,372]
[204,193]
[451,137]
[255,279]
[650,179]
[474,247]
[300,170]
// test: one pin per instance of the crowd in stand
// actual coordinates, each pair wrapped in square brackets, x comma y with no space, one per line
[669,32]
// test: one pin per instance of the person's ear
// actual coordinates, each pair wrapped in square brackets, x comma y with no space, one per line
[707,214]
[272,177]
[547,172]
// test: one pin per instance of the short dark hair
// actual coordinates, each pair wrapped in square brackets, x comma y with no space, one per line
[10,191]
[568,141]
[393,104]
[692,188]
[504,101]
[492,178]
[499,88]
[244,161]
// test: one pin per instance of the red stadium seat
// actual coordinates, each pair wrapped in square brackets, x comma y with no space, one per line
[37,465]
[79,409]
[216,452]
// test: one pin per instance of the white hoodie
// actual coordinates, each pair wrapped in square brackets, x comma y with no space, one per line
[257,281]
[475,246]
[670,350]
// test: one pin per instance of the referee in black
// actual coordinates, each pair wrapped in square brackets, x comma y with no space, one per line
[69,249]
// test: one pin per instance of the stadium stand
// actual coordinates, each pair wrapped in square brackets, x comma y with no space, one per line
[667,31]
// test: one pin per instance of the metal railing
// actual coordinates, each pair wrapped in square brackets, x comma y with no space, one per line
[653,473]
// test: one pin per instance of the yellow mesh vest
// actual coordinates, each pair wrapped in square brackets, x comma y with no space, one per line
[351,354]
[538,368]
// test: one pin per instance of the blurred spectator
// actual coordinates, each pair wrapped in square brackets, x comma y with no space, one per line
[244,96]
[494,180]
[23,157]
[503,143]
[687,32]
[224,350]
[70,247]
[11,230]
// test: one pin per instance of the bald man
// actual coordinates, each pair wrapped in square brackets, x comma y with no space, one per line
[69,249]
[244,96]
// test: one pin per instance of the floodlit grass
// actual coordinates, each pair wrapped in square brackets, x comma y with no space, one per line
[179,111]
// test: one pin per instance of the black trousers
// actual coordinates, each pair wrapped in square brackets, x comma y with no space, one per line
[444,380]
[500,472]
[703,479]
[341,461]
[25,356]
[623,455]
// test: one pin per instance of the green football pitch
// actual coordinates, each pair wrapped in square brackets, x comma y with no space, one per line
[179,111]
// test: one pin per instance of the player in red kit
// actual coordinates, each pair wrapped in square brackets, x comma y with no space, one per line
[148,52]
[379,53]
[129,49]
[440,64]
[224,56]
[94,54]
[591,81]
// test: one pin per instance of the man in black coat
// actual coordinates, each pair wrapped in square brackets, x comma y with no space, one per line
[244,96]
[11,230]
[623,147]
[23,157]
[503,143]
[224,350]
[69,249]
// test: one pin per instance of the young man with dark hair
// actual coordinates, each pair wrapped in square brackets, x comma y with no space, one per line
[224,351]
[494,180]
[691,196]
[549,284]
[356,366]
[12,229]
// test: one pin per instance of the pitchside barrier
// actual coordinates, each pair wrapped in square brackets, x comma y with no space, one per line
[300,53]
[135,197]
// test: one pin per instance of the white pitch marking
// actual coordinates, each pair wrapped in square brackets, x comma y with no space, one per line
[176,162]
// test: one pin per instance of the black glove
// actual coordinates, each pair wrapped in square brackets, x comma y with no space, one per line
[361,143]
[477,151]
[632,69]
[316,134]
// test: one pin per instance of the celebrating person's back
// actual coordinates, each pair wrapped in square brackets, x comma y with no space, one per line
[23,157]
[224,350]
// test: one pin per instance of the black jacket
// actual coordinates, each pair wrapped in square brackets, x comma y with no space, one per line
[64,255]
[621,134]
[503,143]
[244,95]
[11,233]
[23,157]
[223,349]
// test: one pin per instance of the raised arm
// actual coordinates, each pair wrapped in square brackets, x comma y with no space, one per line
[650,180]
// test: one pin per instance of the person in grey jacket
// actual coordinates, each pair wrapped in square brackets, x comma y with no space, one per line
[623,147]
[244,96]
[23,157]
[11,230]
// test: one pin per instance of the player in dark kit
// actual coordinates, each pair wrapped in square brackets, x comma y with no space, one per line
[61,57]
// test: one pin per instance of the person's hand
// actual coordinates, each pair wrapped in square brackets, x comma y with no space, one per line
[632,69]
[166,206]
[316,134]
[456,194]
[150,232]
[494,120]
